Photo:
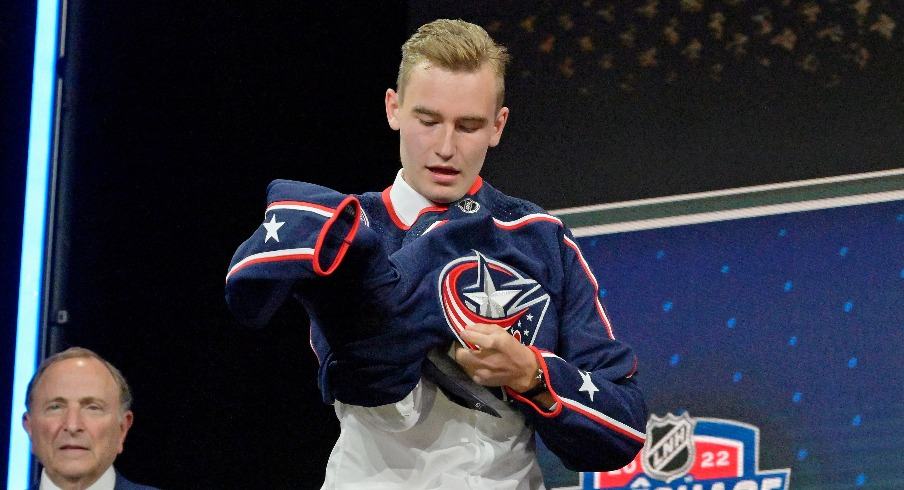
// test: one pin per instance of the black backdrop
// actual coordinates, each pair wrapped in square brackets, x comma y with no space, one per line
[183,112]
[181,115]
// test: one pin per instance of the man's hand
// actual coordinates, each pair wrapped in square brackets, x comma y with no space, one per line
[499,360]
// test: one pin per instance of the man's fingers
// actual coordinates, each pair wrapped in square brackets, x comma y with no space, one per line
[479,339]
[483,328]
[465,357]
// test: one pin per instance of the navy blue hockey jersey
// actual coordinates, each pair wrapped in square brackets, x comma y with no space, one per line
[381,295]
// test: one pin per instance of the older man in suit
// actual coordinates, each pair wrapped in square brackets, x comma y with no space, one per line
[77,418]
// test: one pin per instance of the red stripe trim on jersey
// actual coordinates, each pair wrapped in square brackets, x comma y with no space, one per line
[588,412]
[435,225]
[478,183]
[596,288]
[633,369]
[431,209]
[390,209]
[604,420]
[308,206]
[273,256]
[346,241]
[457,325]
[454,311]
[526,220]
[557,404]
[387,201]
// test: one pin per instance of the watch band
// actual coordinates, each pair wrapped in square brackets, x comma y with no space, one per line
[540,388]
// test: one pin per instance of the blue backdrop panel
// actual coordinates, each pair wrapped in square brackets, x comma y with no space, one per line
[792,323]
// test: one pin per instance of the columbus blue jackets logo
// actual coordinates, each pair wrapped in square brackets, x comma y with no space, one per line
[478,289]
[688,453]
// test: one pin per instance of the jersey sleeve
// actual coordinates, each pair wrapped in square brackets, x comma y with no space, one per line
[315,247]
[599,417]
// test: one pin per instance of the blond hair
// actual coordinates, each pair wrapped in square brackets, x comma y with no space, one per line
[453,45]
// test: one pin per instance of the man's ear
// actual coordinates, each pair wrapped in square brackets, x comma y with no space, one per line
[499,125]
[26,423]
[392,108]
[124,425]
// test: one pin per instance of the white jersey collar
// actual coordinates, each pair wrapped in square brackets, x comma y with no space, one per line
[406,201]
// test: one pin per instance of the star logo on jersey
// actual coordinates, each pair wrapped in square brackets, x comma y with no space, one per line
[272,227]
[588,385]
[478,289]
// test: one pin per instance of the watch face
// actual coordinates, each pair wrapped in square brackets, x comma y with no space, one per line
[541,384]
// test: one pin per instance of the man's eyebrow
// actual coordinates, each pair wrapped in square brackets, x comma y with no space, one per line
[88,400]
[473,119]
[419,109]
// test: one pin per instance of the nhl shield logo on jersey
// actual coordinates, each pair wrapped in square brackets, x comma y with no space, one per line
[694,453]
[468,205]
[479,289]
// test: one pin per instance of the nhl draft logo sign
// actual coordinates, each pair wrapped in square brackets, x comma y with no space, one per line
[688,453]
[478,289]
[669,452]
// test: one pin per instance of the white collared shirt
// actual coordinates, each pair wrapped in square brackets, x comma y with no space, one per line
[106,481]
[406,201]
[426,441]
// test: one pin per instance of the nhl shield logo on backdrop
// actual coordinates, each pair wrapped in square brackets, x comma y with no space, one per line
[694,453]
[479,289]
[669,452]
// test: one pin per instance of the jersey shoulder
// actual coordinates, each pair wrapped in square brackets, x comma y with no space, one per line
[505,207]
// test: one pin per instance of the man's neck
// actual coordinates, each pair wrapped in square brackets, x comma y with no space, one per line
[406,201]
[106,481]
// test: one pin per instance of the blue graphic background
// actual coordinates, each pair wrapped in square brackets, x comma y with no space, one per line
[793,323]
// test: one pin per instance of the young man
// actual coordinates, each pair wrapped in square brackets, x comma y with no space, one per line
[491,289]
[78,417]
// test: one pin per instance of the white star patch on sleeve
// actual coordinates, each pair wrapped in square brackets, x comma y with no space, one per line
[588,385]
[272,226]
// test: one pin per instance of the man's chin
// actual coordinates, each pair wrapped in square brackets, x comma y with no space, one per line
[72,470]
[444,196]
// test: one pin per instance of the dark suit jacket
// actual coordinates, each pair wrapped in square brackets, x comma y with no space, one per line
[121,484]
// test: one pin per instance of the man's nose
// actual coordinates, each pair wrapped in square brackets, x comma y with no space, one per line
[447,145]
[73,422]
